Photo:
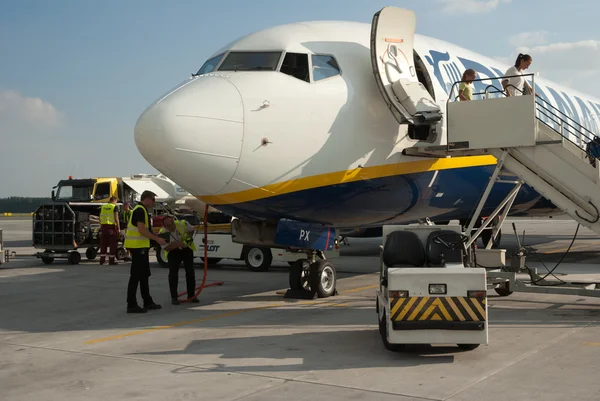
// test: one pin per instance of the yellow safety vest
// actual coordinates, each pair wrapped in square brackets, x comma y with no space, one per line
[189,241]
[107,214]
[133,238]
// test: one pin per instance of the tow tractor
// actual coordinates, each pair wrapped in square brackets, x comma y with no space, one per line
[427,295]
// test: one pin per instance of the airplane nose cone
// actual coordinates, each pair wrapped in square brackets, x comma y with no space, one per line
[194,134]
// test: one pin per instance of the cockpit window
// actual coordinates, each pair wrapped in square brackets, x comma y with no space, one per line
[209,65]
[296,65]
[324,67]
[251,61]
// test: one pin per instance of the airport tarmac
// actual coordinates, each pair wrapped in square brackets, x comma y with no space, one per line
[64,334]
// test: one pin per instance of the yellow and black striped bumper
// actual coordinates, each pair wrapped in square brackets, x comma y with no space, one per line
[445,313]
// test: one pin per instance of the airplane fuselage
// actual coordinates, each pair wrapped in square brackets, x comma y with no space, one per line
[265,145]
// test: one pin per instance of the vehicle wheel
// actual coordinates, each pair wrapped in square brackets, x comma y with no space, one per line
[258,259]
[300,275]
[160,260]
[74,257]
[323,278]
[468,347]
[211,261]
[121,254]
[383,333]
[91,253]
[502,291]
[47,259]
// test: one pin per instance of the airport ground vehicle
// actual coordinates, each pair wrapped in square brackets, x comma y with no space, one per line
[70,221]
[427,295]
[256,258]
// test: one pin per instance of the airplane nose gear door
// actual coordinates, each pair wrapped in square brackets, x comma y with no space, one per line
[392,38]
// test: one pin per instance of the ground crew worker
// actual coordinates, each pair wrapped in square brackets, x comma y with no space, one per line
[109,230]
[125,214]
[137,241]
[181,248]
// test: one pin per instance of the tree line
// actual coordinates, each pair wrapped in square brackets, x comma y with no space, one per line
[16,204]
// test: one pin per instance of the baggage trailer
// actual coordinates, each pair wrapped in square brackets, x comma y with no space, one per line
[60,229]
[426,294]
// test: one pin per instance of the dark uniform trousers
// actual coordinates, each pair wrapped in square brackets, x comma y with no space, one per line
[139,274]
[175,257]
[108,236]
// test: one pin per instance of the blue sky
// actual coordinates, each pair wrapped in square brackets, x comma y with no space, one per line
[75,75]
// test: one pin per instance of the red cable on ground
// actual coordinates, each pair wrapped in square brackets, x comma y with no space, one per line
[203,285]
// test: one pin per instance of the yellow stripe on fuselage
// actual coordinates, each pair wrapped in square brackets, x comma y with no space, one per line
[341,177]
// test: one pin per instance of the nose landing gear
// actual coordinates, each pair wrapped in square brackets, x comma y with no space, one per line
[312,277]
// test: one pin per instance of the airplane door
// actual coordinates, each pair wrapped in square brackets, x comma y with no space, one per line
[392,38]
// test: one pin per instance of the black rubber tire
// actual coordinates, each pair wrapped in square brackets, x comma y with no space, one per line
[211,261]
[317,270]
[122,253]
[297,280]
[91,253]
[468,347]
[383,333]
[253,254]
[503,292]
[47,259]
[74,258]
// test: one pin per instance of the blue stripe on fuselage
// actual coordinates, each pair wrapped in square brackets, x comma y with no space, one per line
[453,194]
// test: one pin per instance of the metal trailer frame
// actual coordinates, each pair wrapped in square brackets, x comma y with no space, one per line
[54,228]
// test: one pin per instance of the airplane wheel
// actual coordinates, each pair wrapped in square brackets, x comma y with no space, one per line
[258,259]
[74,257]
[91,253]
[300,275]
[323,278]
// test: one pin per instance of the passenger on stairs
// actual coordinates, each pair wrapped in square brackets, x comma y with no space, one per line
[516,85]
[465,89]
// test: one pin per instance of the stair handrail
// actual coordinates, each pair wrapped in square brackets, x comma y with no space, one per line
[567,121]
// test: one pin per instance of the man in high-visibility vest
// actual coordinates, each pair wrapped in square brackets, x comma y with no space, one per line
[181,248]
[109,230]
[137,241]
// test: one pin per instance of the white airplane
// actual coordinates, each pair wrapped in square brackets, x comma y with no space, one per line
[300,129]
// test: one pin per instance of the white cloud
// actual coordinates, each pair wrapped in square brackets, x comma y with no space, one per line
[534,38]
[23,115]
[470,6]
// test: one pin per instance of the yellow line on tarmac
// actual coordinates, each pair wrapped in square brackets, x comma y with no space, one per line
[592,344]
[221,315]
[561,250]
[368,287]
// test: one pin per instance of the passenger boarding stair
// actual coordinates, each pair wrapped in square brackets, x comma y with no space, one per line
[534,140]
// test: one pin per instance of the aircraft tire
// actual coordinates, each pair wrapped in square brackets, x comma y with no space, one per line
[323,278]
